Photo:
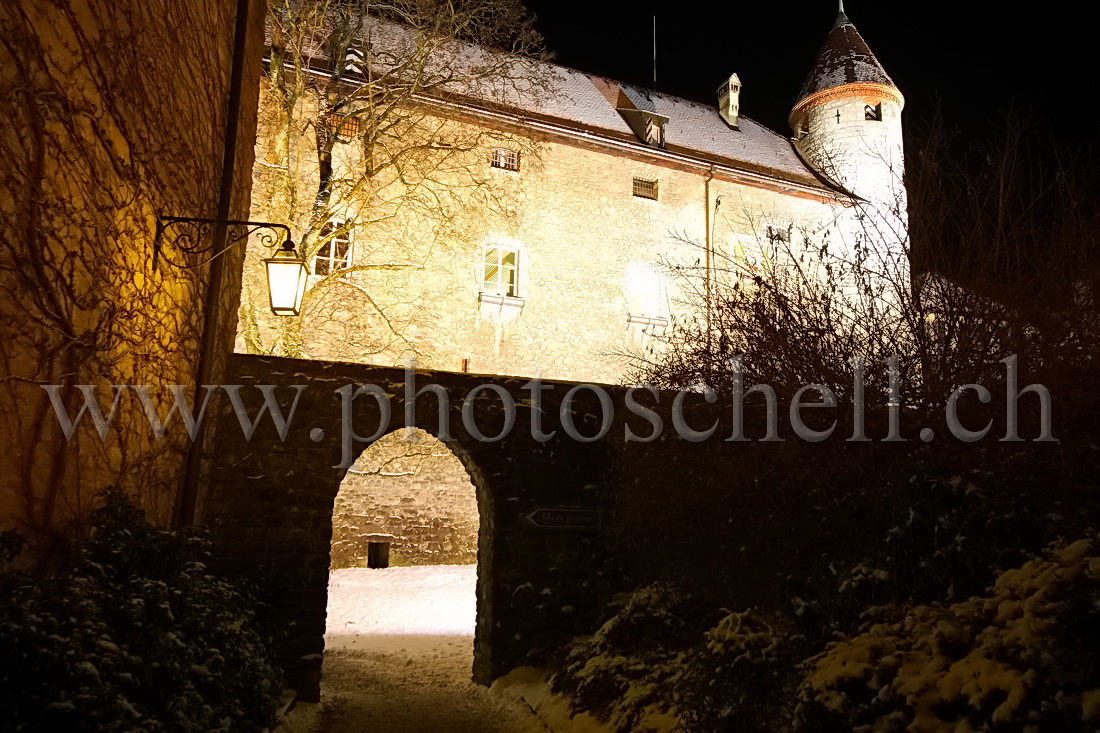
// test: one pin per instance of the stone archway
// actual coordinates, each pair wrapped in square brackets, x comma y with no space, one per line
[413,493]
[484,500]
[271,496]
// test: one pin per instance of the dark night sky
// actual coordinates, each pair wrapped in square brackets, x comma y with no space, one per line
[979,58]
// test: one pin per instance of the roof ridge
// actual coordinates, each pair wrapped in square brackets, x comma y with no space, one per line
[666,95]
[704,134]
[593,75]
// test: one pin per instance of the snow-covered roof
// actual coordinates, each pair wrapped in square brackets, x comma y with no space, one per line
[589,103]
[592,103]
[844,59]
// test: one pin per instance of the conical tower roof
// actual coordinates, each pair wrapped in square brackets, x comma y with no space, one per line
[844,59]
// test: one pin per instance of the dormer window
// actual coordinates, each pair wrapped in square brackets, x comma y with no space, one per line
[354,60]
[645,188]
[873,112]
[505,159]
[646,124]
[655,131]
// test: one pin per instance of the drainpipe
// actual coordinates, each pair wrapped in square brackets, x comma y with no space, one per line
[707,225]
[186,508]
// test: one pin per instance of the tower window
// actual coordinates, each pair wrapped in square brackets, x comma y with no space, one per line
[335,254]
[505,159]
[777,235]
[873,112]
[499,276]
[645,188]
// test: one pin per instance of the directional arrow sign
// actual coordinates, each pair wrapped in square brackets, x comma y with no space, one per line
[565,518]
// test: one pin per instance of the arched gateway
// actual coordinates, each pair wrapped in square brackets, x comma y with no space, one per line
[543,567]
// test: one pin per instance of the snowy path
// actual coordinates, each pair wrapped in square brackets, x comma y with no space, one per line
[399,647]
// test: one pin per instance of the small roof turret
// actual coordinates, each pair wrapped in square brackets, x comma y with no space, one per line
[844,59]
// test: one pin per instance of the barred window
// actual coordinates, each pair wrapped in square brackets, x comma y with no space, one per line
[505,159]
[500,273]
[775,235]
[335,254]
[645,188]
[344,128]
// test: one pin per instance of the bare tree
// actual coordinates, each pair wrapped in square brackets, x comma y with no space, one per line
[367,150]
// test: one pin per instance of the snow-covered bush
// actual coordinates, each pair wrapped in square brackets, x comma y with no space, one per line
[135,635]
[1024,657]
[665,662]
[626,673]
[951,537]
[742,676]
[823,543]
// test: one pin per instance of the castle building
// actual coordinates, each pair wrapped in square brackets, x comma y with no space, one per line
[600,189]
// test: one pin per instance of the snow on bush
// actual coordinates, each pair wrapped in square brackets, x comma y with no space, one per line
[662,663]
[741,677]
[1026,657]
[905,653]
[135,636]
[624,673]
[1023,657]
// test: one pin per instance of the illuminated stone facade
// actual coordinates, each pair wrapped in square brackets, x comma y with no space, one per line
[579,196]
[603,186]
[115,113]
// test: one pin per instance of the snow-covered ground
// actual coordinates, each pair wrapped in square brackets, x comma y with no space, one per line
[432,600]
[399,650]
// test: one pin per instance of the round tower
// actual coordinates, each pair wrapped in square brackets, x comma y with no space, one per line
[847,122]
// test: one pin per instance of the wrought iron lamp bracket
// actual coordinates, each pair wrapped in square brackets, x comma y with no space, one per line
[194,236]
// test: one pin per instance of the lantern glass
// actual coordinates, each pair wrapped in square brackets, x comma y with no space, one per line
[286,282]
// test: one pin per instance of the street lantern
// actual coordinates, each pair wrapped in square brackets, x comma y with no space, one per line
[202,242]
[286,280]
[286,271]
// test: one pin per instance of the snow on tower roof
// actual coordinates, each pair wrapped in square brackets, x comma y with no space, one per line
[844,59]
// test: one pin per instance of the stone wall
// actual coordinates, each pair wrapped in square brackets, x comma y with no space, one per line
[272,500]
[415,489]
[115,112]
[547,562]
